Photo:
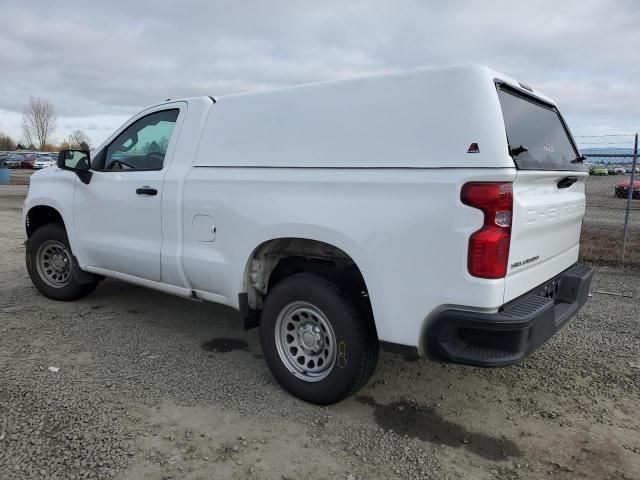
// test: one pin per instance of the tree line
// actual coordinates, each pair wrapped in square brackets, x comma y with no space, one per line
[38,126]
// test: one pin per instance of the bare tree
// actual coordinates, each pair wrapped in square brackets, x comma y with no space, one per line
[38,121]
[6,142]
[79,139]
[26,135]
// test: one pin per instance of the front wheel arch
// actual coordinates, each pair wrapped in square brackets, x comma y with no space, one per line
[41,215]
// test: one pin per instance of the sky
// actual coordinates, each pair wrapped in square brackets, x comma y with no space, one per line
[101,62]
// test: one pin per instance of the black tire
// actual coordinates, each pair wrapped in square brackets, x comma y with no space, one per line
[356,342]
[68,289]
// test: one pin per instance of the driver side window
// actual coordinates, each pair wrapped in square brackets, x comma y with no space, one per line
[143,145]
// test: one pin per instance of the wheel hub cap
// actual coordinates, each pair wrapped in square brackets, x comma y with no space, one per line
[59,262]
[305,341]
[310,338]
[53,262]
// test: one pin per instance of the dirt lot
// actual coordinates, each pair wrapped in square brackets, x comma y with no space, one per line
[153,386]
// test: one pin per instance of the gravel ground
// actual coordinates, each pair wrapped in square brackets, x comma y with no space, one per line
[131,383]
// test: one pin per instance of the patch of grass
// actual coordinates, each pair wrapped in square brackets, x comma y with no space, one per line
[604,245]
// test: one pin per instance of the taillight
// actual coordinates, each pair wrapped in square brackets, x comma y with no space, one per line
[489,246]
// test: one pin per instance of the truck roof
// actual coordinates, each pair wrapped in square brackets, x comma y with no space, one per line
[427,118]
[424,118]
[454,70]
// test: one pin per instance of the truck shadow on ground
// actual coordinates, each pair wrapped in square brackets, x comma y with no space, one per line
[414,420]
[158,308]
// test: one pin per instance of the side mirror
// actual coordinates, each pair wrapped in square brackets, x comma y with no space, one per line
[75,160]
[78,161]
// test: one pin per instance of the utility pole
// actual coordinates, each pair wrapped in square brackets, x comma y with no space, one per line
[629,197]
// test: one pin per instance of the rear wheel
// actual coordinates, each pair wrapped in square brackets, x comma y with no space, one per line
[52,266]
[318,344]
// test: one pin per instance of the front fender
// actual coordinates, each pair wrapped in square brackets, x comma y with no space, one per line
[55,188]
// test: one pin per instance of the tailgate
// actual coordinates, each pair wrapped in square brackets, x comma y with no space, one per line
[545,232]
[548,191]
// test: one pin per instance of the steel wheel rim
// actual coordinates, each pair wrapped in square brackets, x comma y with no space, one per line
[305,341]
[53,262]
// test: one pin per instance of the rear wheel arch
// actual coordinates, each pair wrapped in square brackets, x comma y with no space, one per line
[279,258]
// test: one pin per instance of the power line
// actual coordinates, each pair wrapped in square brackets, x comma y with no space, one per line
[606,135]
[629,142]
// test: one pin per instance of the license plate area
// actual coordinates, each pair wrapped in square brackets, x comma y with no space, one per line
[550,289]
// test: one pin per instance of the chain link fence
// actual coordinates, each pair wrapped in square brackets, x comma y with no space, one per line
[611,227]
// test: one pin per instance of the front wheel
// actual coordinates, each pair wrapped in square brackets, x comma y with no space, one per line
[52,267]
[318,344]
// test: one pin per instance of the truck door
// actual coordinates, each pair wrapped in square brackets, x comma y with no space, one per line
[118,214]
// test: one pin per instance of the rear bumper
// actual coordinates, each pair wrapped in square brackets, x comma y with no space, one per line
[520,327]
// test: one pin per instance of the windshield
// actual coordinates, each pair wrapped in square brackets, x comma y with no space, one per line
[538,139]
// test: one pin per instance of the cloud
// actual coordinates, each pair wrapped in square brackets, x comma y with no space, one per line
[107,60]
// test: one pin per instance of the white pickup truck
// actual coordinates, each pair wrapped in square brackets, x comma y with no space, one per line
[434,212]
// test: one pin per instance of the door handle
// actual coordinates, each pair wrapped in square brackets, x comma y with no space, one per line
[566,182]
[146,190]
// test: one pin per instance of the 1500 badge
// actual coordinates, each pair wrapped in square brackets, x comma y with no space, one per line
[525,262]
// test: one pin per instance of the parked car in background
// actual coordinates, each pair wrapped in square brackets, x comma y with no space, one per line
[622,189]
[599,171]
[28,160]
[3,157]
[620,170]
[43,161]
[13,160]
